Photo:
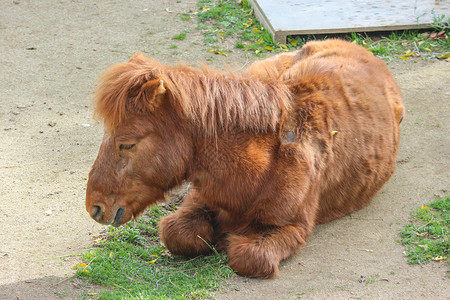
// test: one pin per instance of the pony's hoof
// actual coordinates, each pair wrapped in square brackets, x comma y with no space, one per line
[251,260]
[182,236]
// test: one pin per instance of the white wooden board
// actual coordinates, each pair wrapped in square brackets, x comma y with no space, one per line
[296,17]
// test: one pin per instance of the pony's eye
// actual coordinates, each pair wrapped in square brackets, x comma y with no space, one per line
[126,146]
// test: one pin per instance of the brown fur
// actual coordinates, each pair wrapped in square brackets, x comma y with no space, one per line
[301,138]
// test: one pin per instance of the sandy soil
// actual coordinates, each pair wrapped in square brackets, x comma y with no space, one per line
[51,53]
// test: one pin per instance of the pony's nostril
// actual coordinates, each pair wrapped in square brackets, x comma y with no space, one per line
[119,215]
[96,212]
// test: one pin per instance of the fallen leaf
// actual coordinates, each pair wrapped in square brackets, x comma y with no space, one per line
[408,54]
[334,132]
[439,258]
[256,30]
[443,56]
[283,46]
[79,266]
[268,48]
[367,250]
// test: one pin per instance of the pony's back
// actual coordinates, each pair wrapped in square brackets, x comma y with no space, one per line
[352,125]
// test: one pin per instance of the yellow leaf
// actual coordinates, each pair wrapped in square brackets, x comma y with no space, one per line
[151,262]
[334,132]
[153,255]
[268,48]
[256,30]
[111,255]
[427,49]
[92,294]
[79,266]
[260,41]
[257,51]
[221,37]
[293,42]
[85,271]
[246,24]
[439,258]
[407,54]
[217,52]
[443,56]
[283,46]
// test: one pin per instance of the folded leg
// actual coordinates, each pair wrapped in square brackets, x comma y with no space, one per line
[185,231]
[259,255]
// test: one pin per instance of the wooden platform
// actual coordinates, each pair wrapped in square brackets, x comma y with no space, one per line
[298,17]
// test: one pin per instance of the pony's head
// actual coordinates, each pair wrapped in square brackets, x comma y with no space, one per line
[144,150]
[153,116]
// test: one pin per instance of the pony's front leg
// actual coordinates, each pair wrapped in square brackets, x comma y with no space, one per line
[259,255]
[189,230]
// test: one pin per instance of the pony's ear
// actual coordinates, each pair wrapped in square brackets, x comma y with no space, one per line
[138,58]
[150,91]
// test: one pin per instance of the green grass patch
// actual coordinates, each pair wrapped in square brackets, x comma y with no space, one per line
[404,44]
[180,36]
[223,20]
[427,236]
[185,16]
[133,265]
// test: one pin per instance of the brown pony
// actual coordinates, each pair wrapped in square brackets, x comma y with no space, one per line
[299,139]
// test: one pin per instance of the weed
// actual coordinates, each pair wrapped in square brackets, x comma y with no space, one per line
[185,17]
[225,19]
[427,237]
[180,36]
[172,46]
[370,280]
[440,23]
[239,45]
[133,264]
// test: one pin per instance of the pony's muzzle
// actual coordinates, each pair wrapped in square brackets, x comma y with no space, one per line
[98,214]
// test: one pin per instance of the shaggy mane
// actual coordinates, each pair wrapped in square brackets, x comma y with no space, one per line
[210,99]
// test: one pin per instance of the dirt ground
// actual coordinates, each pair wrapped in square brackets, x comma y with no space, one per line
[50,54]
